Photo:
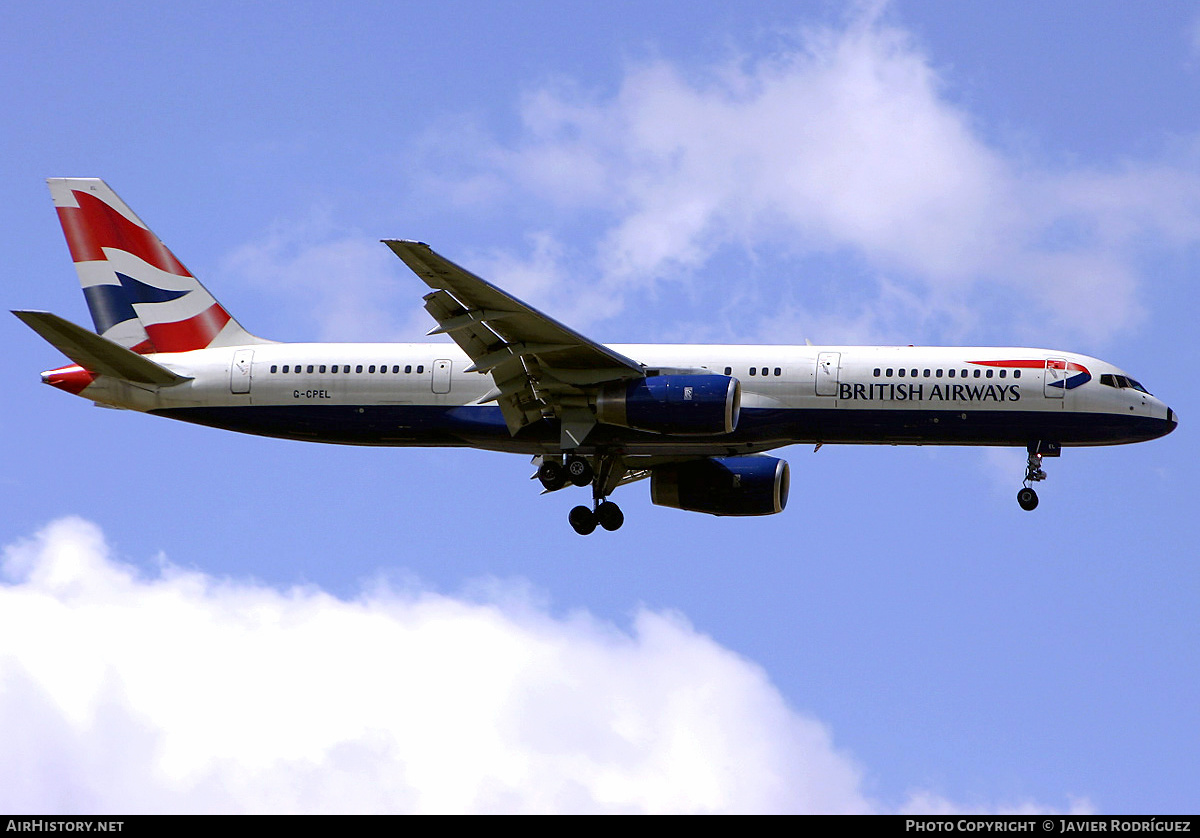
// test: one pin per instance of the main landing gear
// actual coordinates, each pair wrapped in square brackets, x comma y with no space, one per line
[607,514]
[555,474]
[1026,497]
[603,478]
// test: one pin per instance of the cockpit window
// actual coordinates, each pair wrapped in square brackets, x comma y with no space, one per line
[1122,382]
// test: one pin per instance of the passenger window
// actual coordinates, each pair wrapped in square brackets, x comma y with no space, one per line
[989,373]
[902,373]
[950,373]
[408,368]
[877,372]
[889,372]
[274,368]
[926,373]
[310,367]
[778,371]
[334,368]
[938,374]
[914,373]
[1016,373]
[729,370]
[420,368]
[977,373]
[752,369]
[321,368]
[395,369]
[1004,373]
[358,368]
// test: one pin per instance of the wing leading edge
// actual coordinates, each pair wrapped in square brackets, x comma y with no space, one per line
[541,368]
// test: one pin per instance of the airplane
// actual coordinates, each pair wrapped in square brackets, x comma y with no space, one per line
[695,420]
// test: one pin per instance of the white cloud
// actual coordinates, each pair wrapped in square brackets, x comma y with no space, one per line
[121,692]
[842,140]
[541,273]
[351,287]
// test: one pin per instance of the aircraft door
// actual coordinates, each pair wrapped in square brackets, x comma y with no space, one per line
[828,365]
[441,376]
[239,373]
[1056,378]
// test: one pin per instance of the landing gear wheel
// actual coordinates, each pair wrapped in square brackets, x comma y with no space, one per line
[1028,499]
[610,516]
[579,471]
[583,520]
[552,475]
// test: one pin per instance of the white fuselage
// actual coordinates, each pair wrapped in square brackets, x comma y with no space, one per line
[418,394]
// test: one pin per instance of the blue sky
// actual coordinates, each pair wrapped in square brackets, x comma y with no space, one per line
[270,625]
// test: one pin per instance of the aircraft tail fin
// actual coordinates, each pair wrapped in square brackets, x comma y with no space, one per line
[140,296]
[95,353]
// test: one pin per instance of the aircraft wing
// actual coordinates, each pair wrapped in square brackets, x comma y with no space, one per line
[96,353]
[541,367]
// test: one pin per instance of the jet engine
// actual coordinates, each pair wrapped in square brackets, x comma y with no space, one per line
[755,485]
[673,404]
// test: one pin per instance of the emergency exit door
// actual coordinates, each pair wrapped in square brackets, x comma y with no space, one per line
[441,376]
[239,373]
[828,365]
[1056,378]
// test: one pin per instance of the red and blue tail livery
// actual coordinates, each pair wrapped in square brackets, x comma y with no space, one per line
[697,421]
[139,295]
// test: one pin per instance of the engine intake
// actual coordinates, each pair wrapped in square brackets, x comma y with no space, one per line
[673,404]
[755,485]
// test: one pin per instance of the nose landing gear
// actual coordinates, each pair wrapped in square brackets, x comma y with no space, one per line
[1027,498]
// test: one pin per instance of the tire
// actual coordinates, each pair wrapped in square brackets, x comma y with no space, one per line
[582,520]
[610,516]
[552,475]
[1028,499]
[579,471]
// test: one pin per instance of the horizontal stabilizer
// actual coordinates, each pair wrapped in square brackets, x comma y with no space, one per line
[95,353]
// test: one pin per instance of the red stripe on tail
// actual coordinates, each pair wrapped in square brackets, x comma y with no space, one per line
[184,335]
[94,225]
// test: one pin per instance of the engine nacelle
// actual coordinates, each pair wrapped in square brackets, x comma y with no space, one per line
[723,485]
[673,404]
